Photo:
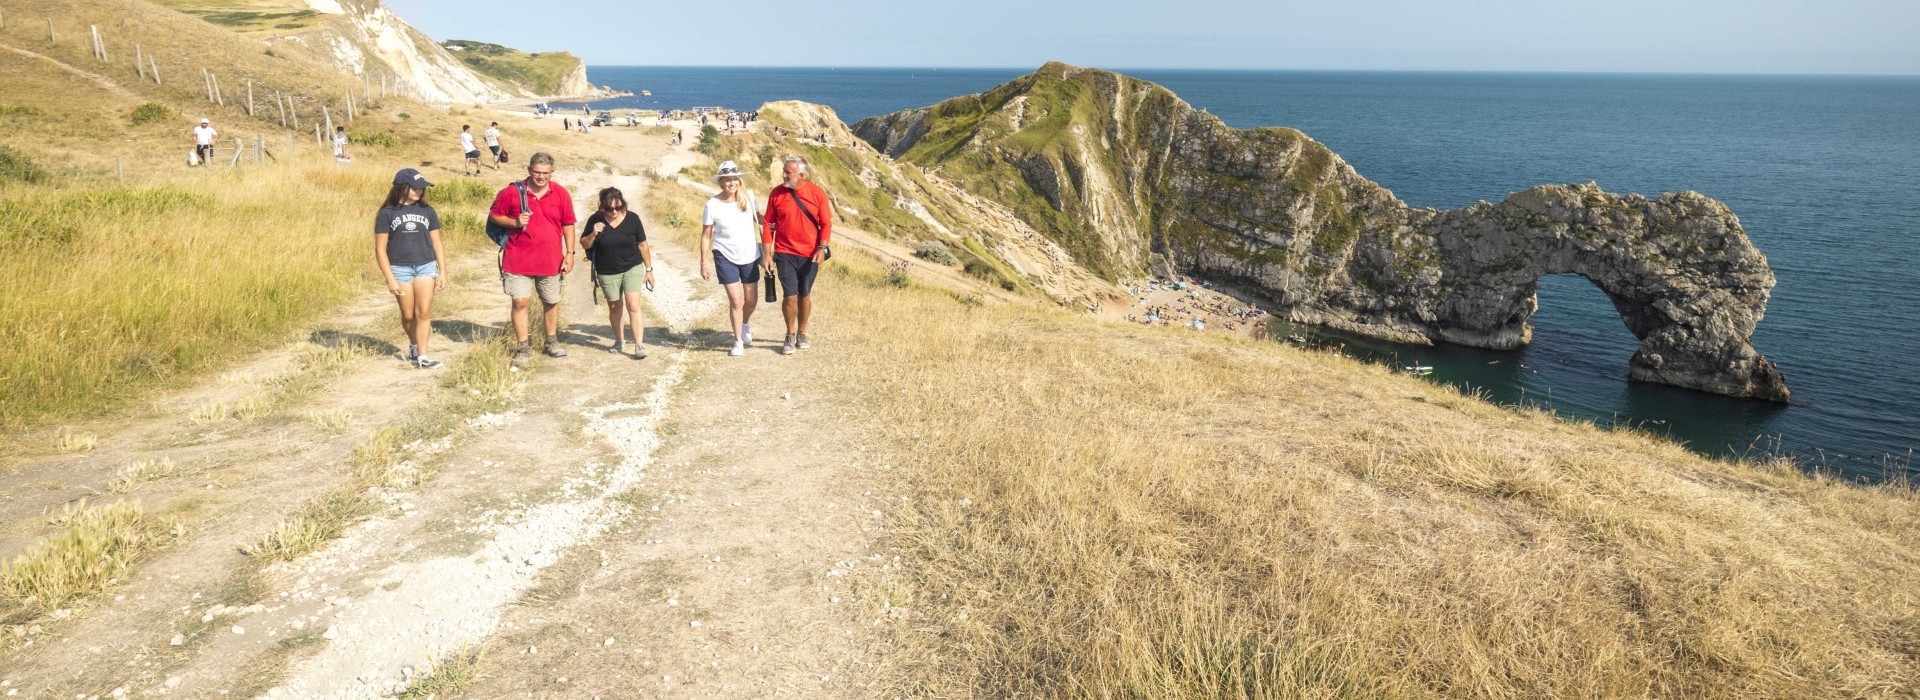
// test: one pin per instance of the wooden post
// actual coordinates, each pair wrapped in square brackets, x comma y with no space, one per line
[94,29]
[349,106]
[139,63]
[207,79]
[324,112]
[316,138]
[277,104]
[155,65]
[239,147]
[249,98]
[51,39]
[217,97]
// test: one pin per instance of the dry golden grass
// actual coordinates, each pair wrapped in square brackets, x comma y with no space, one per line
[166,282]
[1106,512]
[91,553]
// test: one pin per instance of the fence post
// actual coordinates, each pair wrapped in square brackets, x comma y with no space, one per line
[207,79]
[329,116]
[249,98]
[155,65]
[239,148]
[217,97]
[51,38]
[139,64]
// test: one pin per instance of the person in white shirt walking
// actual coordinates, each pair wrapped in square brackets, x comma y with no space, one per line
[492,137]
[203,136]
[728,229]
[340,145]
[473,153]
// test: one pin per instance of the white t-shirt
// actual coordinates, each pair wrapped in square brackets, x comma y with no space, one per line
[339,143]
[733,231]
[492,136]
[466,142]
[203,135]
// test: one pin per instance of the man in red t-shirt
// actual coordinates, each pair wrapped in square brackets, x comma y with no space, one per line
[799,223]
[539,252]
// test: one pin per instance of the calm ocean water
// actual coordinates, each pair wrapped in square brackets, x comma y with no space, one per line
[1823,171]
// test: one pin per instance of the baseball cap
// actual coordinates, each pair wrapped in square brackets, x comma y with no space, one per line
[409,176]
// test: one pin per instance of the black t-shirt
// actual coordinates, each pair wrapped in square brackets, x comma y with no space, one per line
[406,227]
[617,249]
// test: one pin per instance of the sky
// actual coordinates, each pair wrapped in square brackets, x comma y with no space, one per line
[1687,36]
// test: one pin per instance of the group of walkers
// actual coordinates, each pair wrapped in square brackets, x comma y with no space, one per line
[744,244]
[472,153]
[205,135]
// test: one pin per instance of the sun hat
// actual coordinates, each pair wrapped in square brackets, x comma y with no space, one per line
[409,176]
[728,169]
[203,120]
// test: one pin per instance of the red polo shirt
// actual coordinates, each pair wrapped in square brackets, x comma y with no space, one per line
[536,251]
[788,230]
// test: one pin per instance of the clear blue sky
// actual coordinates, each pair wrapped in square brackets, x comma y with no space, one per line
[1740,36]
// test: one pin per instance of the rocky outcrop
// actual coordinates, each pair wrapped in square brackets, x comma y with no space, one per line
[367,39]
[1119,170]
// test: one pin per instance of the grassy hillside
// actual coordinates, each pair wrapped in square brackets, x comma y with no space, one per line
[181,269]
[1089,510]
[253,16]
[544,73]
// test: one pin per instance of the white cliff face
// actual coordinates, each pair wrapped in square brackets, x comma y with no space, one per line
[370,40]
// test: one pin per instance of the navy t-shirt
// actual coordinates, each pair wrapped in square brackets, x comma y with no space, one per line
[406,227]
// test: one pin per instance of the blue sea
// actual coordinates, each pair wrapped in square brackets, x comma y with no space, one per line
[1824,172]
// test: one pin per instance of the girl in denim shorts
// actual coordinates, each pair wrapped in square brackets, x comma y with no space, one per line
[406,247]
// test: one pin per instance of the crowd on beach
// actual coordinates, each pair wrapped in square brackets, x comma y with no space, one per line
[1192,303]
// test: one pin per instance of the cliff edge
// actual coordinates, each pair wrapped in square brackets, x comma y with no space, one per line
[1123,173]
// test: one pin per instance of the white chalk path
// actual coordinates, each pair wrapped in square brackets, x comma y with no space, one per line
[424,612]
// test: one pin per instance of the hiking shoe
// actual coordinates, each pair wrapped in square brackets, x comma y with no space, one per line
[424,362]
[787,348]
[554,349]
[639,351]
[800,341]
[746,334]
[618,348]
[739,348]
[521,356]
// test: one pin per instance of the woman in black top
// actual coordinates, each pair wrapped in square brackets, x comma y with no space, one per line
[616,245]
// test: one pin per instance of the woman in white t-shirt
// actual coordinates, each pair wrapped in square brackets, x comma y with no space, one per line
[729,229]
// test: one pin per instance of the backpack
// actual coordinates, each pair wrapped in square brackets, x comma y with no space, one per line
[503,155]
[500,233]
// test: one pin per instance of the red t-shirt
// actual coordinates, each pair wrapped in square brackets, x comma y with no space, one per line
[536,251]
[788,230]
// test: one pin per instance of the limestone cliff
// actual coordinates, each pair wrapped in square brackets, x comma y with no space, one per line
[366,39]
[1120,171]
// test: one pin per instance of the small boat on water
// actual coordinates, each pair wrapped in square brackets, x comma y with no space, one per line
[1419,370]
[1296,338]
[646,93]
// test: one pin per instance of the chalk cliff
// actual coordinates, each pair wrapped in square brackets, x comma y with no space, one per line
[1124,175]
[364,38]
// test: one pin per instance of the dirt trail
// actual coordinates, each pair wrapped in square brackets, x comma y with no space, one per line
[684,525]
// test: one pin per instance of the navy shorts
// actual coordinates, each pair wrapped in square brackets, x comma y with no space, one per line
[473,155]
[796,274]
[729,273]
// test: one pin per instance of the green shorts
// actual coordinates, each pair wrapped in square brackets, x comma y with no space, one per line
[632,281]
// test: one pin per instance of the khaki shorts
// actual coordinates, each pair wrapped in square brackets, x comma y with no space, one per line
[522,286]
[633,281]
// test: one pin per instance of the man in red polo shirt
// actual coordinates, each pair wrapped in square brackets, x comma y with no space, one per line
[799,223]
[539,252]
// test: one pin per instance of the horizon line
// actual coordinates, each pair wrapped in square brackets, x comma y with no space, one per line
[1426,71]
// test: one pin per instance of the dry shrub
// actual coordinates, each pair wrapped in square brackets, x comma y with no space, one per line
[91,553]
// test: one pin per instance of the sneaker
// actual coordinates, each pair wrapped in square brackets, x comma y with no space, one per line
[800,341]
[739,348]
[554,349]
[746,333]
[424,362]
[639,351]
[618,348]
[521,356]
[787,348]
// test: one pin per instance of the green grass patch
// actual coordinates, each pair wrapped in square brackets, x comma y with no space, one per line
[543,73]
[151,112]
[17,167]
